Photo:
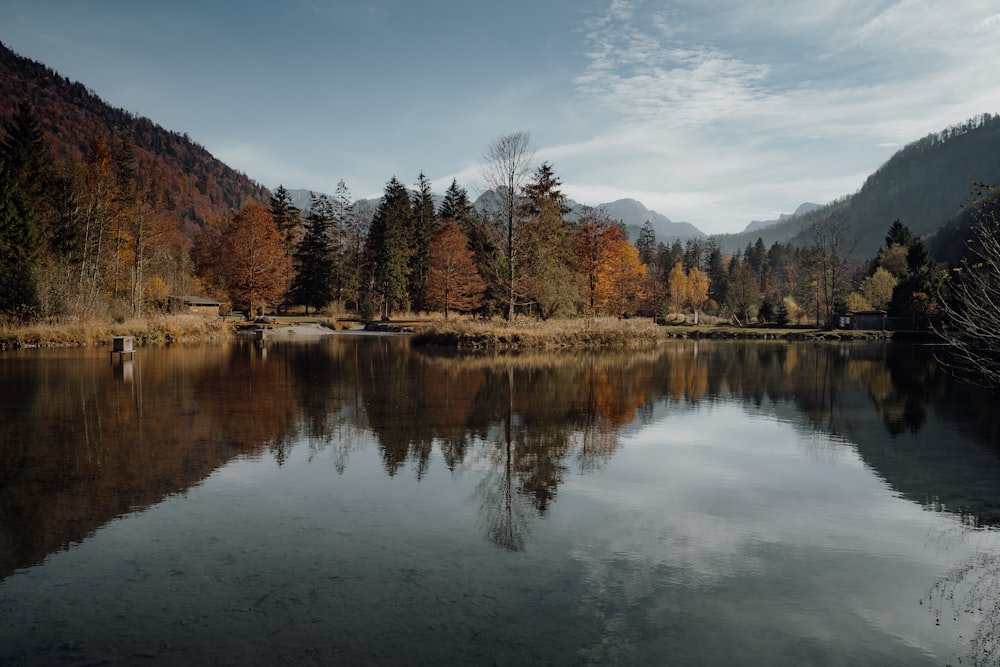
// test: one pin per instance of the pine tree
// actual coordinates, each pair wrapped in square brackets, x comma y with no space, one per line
[548,275]
[389,248]
[24,179]
[424,226]
[287,218]
[314,260]
[456,206]
[646,243]
[349,255]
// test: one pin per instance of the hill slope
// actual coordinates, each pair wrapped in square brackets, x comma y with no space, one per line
[924,185]
[75,119]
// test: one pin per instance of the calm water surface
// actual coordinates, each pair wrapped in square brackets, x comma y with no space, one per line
[355,501]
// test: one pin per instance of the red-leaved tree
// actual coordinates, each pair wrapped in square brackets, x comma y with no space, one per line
[453,282]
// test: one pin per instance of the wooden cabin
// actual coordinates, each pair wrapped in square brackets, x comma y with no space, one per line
[193,304]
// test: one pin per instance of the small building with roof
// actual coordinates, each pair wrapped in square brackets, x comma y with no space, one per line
[868,320]
[193,304]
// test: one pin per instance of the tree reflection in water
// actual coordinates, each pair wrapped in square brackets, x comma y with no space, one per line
[78,452]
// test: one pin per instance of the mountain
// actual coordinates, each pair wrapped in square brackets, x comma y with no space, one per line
[75,120]
[632,213]
[924,185]
[801,210]
[629,212]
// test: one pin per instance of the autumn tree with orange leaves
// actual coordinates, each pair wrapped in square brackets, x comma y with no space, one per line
[258,268]
[453,283]
[620,280]
[594,239]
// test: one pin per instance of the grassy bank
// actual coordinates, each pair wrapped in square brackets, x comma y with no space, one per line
[726,332]
[147,331]
[579,333]
[606,332]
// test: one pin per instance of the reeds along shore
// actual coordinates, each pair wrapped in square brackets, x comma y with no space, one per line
[462,334]
[609,333]
[148,330]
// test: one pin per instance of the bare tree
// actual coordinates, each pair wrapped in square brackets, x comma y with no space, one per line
[836,243]
[971,308]
[506,168]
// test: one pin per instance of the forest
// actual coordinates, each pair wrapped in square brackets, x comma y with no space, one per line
[100,237]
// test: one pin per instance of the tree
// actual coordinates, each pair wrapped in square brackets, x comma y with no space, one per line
[424,225]
[287,218]
[456,206]
[314,258]
[743,291]
[620,288]
[595,239]
[877,288]
[970,301]
[549,281]
[351,226]
[507,164]
[688,289]
[453,283]
[646,243]
[24,177]
[831,237]
[389,248]
[715,269]
[258,268]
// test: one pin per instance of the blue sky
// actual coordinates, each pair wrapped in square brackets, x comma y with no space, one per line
[714,112]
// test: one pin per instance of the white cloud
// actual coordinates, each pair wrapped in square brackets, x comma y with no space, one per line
[745,111]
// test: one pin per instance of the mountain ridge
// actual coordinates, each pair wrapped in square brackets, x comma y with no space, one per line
[925,185]
[75,120]
[630,212]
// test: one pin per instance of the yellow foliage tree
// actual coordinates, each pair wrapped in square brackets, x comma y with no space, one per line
[620,280]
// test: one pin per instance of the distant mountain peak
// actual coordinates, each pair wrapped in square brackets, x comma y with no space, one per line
[806,207]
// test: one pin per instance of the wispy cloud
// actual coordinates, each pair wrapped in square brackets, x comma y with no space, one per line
[728,108]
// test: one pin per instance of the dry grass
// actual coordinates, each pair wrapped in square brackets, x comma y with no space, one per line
[148,330]
[605,333]
[571,333]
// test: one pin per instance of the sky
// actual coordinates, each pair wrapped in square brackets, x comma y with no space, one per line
[713,112]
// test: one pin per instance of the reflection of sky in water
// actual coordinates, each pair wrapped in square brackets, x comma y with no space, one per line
[752,518]
[716,533]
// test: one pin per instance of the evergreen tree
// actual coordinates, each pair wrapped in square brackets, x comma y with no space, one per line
[389,249]
[349,252]
[424,226]
[456,206]
[24,180]
[287,218]
[693,250]
[715,267]
[314,257]
[646,244]
[549,278]
[898,234]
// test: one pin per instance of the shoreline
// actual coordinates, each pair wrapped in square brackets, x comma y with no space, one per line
[578,333]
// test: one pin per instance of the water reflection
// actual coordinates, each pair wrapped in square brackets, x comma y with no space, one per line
[83,444]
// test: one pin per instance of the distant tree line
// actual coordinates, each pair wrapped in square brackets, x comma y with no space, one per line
[99,237]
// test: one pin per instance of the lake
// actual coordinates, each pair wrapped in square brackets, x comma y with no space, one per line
[353,500]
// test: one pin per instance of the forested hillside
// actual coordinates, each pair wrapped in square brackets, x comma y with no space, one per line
[75,121]
[924,185]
